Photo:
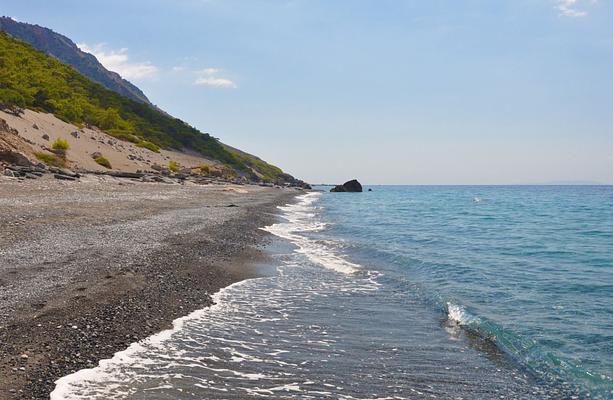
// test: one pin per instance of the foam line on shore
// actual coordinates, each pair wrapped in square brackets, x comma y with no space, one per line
[64,385]
[300,218]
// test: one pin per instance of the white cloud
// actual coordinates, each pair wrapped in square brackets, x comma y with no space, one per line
[568,8]
[216,82]
[209,77]
[209,71]
[119,61]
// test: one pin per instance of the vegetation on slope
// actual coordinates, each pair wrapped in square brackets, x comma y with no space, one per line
[31,79]
[65,50]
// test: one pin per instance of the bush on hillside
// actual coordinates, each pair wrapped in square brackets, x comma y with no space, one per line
[149,146]
[173,166]
[61,146]
[101,160]
[52,160]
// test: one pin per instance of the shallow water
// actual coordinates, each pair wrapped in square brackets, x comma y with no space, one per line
[405,292]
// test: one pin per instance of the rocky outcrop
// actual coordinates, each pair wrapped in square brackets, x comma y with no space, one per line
[349,186]
[10,156]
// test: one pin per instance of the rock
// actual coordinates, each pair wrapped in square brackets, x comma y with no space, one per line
[65,172]
[370,190]
[9,173]
[349,186]
[14,157]
[64,177]
[31,176]
[74,134]
[45,136]
[96,154]
[4,127]
[122,174]
[35,126]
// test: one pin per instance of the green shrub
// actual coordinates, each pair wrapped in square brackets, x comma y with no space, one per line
[103,161]
[123,134]
[205,170]
[173,166]
[51,159]
[149,146]
[60,144]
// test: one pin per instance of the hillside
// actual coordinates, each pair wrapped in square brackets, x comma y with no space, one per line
[30,79]
[65,50]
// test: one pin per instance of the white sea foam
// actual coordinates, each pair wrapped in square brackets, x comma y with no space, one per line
[459,315]
[67,386]
[301,218]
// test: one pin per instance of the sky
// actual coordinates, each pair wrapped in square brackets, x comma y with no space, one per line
[386,91]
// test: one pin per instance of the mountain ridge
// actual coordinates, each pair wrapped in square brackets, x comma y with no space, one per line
[65,50]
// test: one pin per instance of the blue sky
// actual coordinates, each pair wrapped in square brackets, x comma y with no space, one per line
[413,92]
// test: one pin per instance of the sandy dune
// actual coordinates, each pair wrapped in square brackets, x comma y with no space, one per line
[124,156]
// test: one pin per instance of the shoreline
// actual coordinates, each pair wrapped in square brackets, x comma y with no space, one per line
[91,267]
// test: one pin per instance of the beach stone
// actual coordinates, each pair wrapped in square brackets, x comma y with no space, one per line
[350,186]
[64,177]
[62,171]
[14,157]
[96,154]
[45,137]
[74,134]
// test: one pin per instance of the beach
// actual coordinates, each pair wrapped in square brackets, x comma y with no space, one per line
[88,267]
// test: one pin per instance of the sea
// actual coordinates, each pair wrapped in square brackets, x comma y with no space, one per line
[402,292]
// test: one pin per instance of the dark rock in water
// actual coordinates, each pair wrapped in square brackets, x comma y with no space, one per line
[350,186]
[370,190]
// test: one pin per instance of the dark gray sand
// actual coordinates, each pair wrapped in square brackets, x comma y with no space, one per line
[86,268]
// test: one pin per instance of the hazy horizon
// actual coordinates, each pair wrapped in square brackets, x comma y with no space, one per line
[443,92]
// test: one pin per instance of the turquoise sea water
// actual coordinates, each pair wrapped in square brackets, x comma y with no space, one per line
[529,267]
[400,293]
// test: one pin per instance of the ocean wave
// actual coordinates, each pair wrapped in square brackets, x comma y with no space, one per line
[458,315]
[301,217]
